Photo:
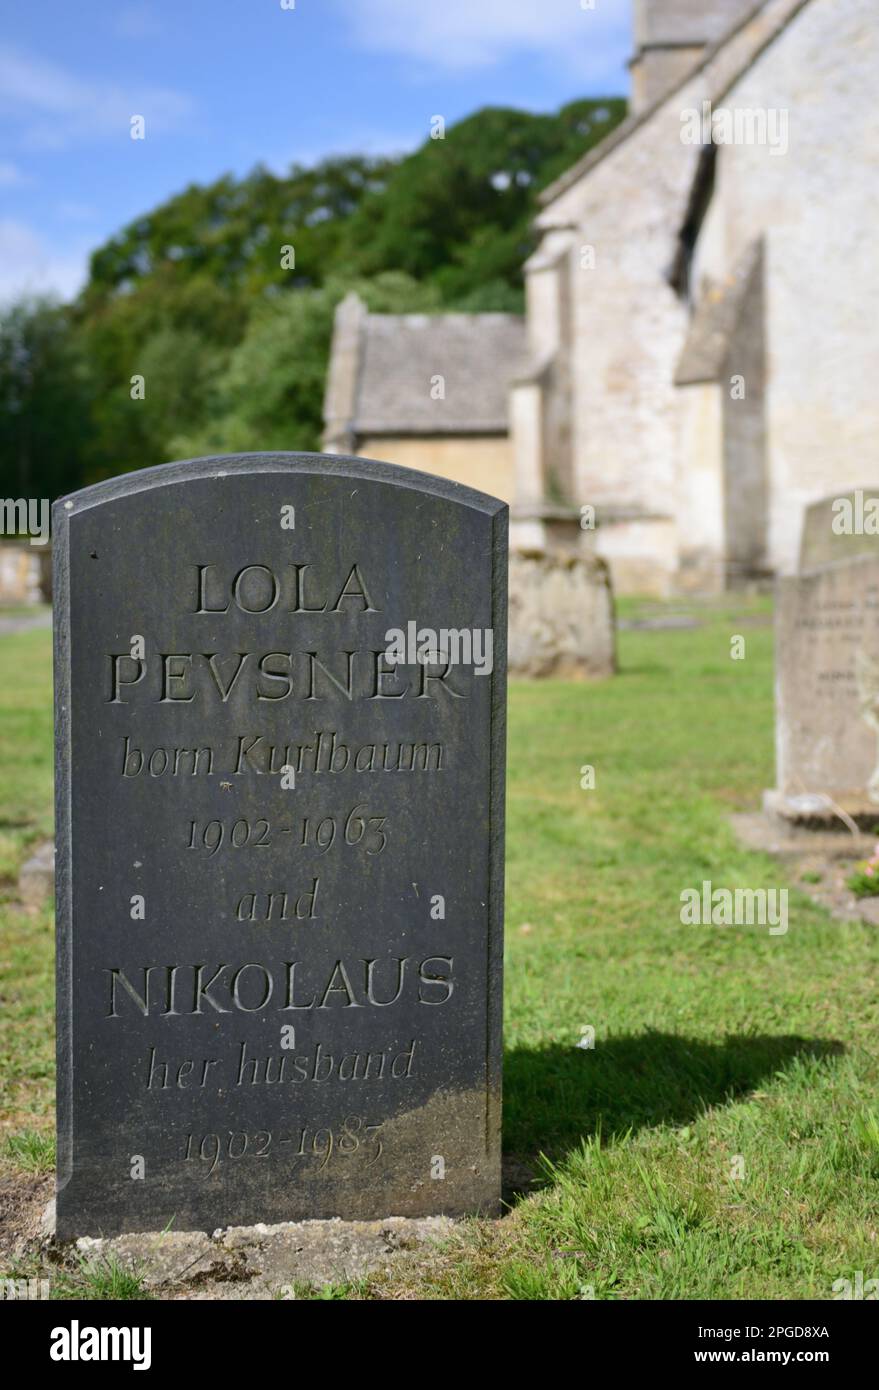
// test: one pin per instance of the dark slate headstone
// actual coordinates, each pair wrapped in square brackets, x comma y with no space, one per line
[278,1002]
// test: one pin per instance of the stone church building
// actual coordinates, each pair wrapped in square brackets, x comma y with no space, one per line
[700,356]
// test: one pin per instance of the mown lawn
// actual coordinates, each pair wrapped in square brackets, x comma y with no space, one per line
[27,992]
[721,1139]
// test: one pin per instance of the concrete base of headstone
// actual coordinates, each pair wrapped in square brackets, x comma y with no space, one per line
[36,882]
[818,812]
[787,840]
[264,1262]
[561,615]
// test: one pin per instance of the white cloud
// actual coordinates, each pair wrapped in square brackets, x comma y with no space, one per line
[52,109]
[465,34]
[29,264]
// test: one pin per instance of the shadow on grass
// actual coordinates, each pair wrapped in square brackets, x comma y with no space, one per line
[555,1096]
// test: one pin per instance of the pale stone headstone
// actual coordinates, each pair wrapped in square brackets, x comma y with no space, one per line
[561,615]
[827,689]
[36,880]
[280,854]
[21,567]
[840,527]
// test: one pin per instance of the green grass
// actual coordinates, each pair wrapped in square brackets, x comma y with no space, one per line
[721,1138]
[27,1043]
[31,1151]
[25,747]
[326,1293]
[99,1281]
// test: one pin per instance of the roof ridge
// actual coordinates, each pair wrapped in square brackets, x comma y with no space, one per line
[463,314]
[634,122]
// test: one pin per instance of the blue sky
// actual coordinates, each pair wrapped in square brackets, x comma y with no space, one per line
[223,84]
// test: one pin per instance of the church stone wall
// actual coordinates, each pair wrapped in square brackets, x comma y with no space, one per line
[817,206]
[485,463]
[816,428]
[701,538]
[746,495]
[670,38]
[687,21]
[628,322]
[658,70]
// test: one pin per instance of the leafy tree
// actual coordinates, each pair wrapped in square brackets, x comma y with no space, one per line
[233,233]
[459,210]
[46,398]
[271,392]
[177,334]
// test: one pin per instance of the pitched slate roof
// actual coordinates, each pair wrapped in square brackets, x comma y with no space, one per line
[384,369]
[476,354]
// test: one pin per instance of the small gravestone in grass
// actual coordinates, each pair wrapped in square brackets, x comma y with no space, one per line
[840,527]
[280,709]
[827,669]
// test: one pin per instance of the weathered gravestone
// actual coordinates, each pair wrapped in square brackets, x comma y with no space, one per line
[827,674]
[840,527]
[561,615]
[20,570]
[280,854]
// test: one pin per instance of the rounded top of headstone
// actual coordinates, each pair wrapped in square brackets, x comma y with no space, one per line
[223,466]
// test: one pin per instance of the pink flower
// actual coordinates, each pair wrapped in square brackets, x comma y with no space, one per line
[869,871]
